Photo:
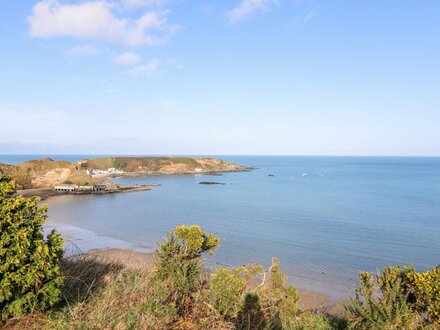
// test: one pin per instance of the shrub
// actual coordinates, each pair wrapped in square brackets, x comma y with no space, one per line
[30,277]
[251,315]
[278,299]
[381,304]
[424,289]
[227,287]
[178,275]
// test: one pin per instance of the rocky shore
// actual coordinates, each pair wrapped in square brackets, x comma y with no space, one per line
[47,173]
[46,193]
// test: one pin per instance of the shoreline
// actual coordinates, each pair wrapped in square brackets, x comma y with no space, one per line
[314,294]
[134,256]
[174,173]
[309,300]
[45,193]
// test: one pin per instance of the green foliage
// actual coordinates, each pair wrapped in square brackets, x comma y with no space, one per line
[251,315]
[271,305]
[424,292]
[179,270]
[313,320]
[381,303]
[226,286]
[30,277]
[278,299]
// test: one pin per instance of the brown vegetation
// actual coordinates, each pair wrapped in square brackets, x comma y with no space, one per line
[45,173]
[160,165]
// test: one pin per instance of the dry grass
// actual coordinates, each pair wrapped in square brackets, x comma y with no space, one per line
[103,294]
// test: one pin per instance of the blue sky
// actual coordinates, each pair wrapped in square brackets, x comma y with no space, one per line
[290,77]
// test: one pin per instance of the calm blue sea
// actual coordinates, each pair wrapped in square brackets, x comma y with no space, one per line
[348,214]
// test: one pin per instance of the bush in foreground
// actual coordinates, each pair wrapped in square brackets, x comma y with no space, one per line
[178,277]
[30,277]
[397,298]
[424,290]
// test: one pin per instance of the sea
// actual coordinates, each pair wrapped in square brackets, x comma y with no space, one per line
[325,218]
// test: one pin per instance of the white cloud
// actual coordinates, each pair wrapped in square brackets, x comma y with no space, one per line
[247,8]
[128,58]
[84,50]
[95,20]
[144,3]
[146,70]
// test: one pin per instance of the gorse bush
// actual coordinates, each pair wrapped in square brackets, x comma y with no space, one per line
[424,289]
[178,275]
[235,293]
[278,299]
[251,315]
[227,288]
[30,277]
[381,303]
[244,298]
[399,298]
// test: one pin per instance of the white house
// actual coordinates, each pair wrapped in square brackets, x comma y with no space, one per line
[66,187]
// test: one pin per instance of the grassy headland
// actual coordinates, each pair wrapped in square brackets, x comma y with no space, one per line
[46,173]
[161,165]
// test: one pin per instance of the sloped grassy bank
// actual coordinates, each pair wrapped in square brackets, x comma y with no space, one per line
[178,293]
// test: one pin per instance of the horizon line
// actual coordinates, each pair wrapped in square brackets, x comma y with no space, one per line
[209,154]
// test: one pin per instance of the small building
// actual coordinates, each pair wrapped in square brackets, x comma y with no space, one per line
[66,187]
[198,169]
[100,187]
[86,188]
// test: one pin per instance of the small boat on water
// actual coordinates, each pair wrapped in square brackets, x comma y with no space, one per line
[304,174]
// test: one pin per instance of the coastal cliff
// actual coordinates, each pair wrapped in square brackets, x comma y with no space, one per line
[46,173]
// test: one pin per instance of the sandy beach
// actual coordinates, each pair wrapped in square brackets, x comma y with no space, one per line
[139,260]
[129,255]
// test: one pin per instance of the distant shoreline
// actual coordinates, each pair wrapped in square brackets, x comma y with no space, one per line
[49,173]
[45,193]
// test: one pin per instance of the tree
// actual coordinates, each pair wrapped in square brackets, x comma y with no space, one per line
[30,277]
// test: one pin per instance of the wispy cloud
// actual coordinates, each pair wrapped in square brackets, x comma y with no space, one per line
[146,70]
[97,20]
[84,50]
[128,58]
[144,3]
[247,8]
